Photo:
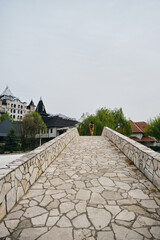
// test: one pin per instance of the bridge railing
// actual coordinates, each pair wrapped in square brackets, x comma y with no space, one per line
[17,177]
[145,159]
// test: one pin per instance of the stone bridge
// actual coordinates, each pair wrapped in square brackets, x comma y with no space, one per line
[82,188]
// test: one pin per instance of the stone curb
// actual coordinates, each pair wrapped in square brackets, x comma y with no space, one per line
[145,159]
[17,177]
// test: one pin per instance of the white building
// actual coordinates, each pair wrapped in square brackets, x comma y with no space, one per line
[13,106]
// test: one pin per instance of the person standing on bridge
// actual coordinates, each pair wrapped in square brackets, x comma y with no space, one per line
[91,128]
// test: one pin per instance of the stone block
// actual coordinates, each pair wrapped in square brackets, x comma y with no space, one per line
[24,184]
[156,180]
[18,174]
[20,193]
[34,175]
[5,189]
[2,210]
[155,164]
[31,169]
[148,174]
[11,199]
[26,168]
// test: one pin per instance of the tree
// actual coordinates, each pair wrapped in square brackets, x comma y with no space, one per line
[121,124]
[11,141]
[113,119]
[4,117]
[153,128]
[32,123]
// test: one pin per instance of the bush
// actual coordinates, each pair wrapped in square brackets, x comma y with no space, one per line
[11,142]
[155,148]
[113,119]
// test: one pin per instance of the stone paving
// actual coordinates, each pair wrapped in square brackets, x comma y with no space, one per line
[91,191]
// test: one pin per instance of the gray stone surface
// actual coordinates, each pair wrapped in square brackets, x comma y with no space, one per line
[99,217]
[81,221]
[125,215]
[89,192]
[105,235]
[32,233]
[58,234]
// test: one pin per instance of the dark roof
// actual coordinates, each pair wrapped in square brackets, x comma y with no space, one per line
[56,121]
[31,104]
[41,108]
[6,125]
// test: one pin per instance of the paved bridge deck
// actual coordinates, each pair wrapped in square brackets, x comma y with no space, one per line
[89,192]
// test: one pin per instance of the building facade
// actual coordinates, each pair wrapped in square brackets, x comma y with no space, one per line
[56,125]
[139,135]
[14,106]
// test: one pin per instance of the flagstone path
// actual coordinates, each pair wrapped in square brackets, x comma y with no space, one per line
[92,192]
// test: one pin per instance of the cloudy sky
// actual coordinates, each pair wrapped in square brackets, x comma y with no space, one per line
[82,55]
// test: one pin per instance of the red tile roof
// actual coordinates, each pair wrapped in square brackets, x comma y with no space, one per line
[138,127]
[144,139]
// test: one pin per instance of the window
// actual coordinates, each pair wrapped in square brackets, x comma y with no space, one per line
[12,105]
[21,106]
[13,116]
[15,105]
[51,130]
[18,106]
[21,112]
[11,110]
[18,117]
[14,111]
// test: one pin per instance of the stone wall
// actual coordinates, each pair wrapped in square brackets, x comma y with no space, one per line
[17,177]
[145,159]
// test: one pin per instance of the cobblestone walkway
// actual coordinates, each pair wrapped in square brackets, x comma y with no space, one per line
[90,192]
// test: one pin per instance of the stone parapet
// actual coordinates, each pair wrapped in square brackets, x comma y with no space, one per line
[17,177]
[145,159]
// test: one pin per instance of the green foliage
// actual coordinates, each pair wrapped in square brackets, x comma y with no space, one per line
[32,123]
[153,128]
[11,141]
[113,119]
[4,117]
[155,148]
[84,126]
[121,124]
[106,117]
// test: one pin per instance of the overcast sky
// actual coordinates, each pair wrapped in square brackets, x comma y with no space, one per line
[82,55]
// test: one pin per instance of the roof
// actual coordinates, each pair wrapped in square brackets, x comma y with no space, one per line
[138,127]
[56,121]
[41,108]
[31,104]
[143,139]
[59,120]
[7,94]
[6,125]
